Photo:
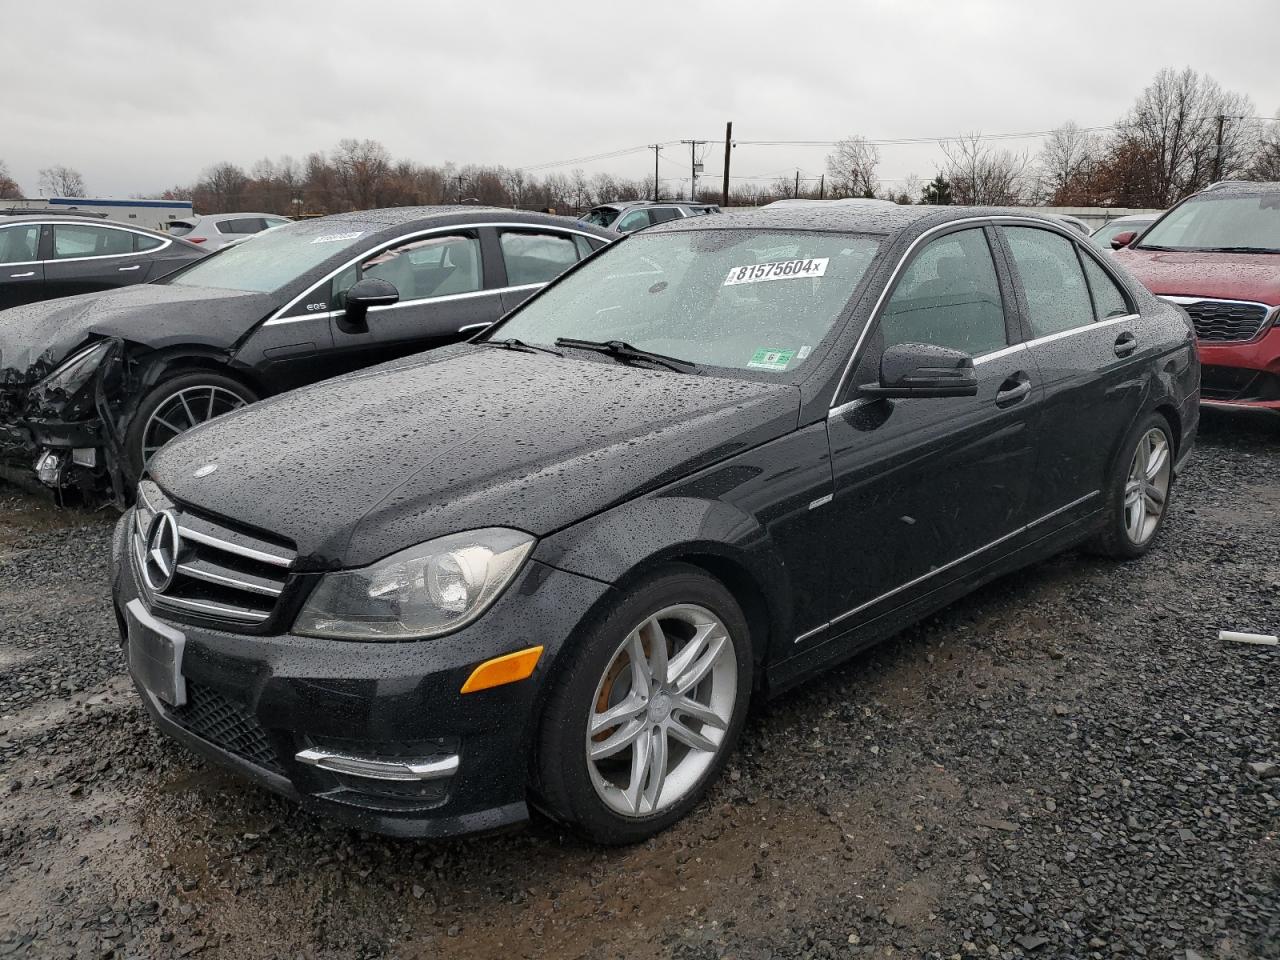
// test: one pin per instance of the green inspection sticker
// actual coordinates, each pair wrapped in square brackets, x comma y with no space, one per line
[770,359]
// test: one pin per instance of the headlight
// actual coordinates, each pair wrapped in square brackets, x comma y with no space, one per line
[74,372]
[425,591]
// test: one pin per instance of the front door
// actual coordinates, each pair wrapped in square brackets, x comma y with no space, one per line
[21,272]
[928,489]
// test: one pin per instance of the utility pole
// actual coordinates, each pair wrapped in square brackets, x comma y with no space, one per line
[822,187]
[796,192]
[655,147]
[694,166]
[728,146]
[1217,156]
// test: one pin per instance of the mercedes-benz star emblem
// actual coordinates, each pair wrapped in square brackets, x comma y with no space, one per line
[163,544]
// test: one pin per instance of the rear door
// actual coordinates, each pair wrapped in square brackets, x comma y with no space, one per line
[446,288]
[927,490]
[1083,333]
[21,271]
[89,256]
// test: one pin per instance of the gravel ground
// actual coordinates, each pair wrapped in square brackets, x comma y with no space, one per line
[1066,764]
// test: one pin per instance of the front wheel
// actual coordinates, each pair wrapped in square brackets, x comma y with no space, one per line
[176,405]
[643,715]
[1139,492]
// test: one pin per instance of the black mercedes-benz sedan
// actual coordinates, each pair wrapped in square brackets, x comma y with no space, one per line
[91,387]
[551,566]
[46,255]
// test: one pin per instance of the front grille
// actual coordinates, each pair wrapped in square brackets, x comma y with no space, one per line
[1226,321]
[218,572]
[226,724]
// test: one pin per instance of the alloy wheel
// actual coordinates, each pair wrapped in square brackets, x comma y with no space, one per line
[183,410]
[1147,488]
[661,710]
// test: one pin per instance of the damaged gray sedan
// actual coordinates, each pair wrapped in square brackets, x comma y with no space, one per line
[92,386]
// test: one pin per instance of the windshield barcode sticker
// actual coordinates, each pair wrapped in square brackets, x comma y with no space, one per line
[335,237]
[778,270]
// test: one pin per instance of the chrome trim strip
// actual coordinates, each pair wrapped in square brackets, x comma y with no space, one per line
[235,548]
[379,769]
[277,317]
[821,501]
[210,577]
[1185,300]
[991,219]
[997,354]
[477,326]
[166,242]
[280,321]
[945,567]
[204,606]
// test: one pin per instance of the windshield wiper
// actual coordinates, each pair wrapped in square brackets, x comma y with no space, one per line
[511,343]
[1240,250]
[625,351]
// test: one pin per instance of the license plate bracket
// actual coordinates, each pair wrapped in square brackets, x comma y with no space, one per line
[155,655]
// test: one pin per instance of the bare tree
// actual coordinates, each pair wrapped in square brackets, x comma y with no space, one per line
[980,175]
[1193,130]
[222,186]
[1067,160]
[851,168]
[1266,159]
[360,167]
[9,189]
[60,181]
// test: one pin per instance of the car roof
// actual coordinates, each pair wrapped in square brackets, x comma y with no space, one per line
[843,217]
[390,217]
[1243,186]
[18,215]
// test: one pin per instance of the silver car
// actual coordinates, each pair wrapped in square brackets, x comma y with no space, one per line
[214,231]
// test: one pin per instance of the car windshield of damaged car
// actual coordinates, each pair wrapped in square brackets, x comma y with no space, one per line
[267,261]
[740,299]
[1219,224]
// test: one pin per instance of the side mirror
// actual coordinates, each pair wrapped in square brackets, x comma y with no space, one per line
[366,293]
[923,370]
[1122,240]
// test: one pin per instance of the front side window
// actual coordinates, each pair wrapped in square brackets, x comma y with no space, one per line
[633,221]
[949,296]
[19,244]
[434,266]
[601,216]
[1220,223]
[77,240]
[752,300]
[1108,299]
[275,258]
[536,257]
[1057,298]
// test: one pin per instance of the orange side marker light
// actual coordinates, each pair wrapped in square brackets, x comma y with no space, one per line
[511,668]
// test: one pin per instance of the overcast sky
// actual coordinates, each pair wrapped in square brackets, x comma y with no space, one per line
[139,96]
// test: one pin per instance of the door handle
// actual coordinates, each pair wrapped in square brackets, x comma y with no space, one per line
[19,276]
[1012,391]
[1126,343]
[136,266]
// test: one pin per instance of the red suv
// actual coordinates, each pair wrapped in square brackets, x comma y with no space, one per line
[1217,254]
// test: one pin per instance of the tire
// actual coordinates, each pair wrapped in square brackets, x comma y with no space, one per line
[1117,538]
[195,385]
[676,604]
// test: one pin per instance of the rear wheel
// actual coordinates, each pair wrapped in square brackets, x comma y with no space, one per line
[645,712]
[176,405]
[1139,492]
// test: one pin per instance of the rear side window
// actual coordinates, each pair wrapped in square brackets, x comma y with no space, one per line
[1057,298]
[949,296]
[142,242]
[75,240]
[663,214]
[536,257]
[19,244]
[242,225]
[1108,299]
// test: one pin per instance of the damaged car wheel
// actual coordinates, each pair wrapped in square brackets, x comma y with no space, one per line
[175,406]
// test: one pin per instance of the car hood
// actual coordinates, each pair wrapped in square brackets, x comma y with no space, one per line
[1224,276]
[37,337]
[362,466]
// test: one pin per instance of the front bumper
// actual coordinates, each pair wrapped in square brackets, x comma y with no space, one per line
[254,703]
[1242,374]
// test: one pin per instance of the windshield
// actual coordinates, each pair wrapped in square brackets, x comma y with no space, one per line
[744,299]
[1245,224]
[269,260]
[601,216]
